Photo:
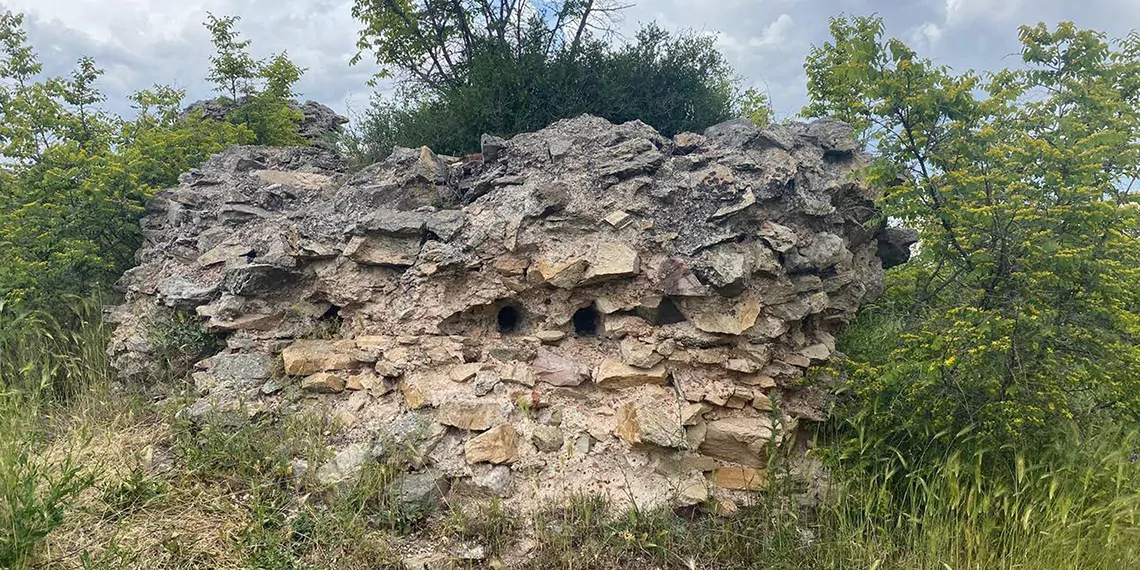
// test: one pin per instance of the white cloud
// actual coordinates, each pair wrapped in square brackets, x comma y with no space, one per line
[926,35]
[968,11]
[777,33]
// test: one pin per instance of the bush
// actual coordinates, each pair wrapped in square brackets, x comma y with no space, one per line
[674,82]
[179,339]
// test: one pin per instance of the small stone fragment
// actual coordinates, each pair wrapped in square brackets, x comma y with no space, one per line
[619,219]
[387,369]
[485,382]
[761,402]
[583,444]
[692,491]
[639,354]
[345,466]
[354,384]
[495,482]
[323,383]
[562,274]
[740,478]
[548,439]
[550,337]
[612,260]
[306,357]
[497,446]
[738,440]
[471,416]
[816,352]
[464,372]
[614,374]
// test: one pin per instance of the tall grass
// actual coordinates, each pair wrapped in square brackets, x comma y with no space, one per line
[53,358]
[1073,503]
[45,362]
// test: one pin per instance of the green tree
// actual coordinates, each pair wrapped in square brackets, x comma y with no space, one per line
[232,69]
[674,82]
[431,44]
[1020,314]
[755,105]
[258,91]
[73,178]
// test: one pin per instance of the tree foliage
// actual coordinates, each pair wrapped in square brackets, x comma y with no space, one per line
[674,82]
[74,178]
[432,44]
[258,91]
[1021,312]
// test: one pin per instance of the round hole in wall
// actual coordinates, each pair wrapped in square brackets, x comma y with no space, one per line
[509,319]
[586,321]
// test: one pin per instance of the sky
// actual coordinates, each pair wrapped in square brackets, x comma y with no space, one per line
[144,42]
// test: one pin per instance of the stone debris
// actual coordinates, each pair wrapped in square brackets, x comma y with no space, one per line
[323,383]
[593,305]
[499,445]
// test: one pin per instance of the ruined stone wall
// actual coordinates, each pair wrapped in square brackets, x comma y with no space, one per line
[592,307]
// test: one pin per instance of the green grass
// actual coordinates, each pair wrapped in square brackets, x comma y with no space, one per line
[1072,504]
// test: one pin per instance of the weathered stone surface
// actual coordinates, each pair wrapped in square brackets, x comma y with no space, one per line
[613,373]
[558,371]
[464,372]
[611,260]
[694,278]
[692,491]
[824,251]
[565,274]
[780,238]
[739,440]
[675,278]
[472,416]
[256,279]
[547,439]
[499,445]
[653,423]
[384,252]
[894,246]
[422,492]
[714,317]
[740,478]
[323,383]
[639,354]
[242,367]
[306,357]
[178,292]
[345,466]
[409,439]
[495,482]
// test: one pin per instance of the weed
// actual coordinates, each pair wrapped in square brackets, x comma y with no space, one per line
[35,491]
[178,340]
[133,493]
[491,524]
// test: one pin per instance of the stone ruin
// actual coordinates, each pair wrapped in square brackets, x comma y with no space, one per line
[588,308]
